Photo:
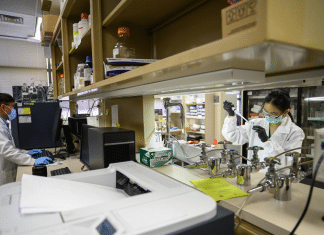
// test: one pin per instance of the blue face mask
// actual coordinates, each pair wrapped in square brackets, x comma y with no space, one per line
[272,119]
[12,115]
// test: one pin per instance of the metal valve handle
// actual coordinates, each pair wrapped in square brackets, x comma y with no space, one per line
[255,148]
[224,142]
[295,154]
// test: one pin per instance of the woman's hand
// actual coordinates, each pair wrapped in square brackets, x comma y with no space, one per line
[228,107]
[261,133]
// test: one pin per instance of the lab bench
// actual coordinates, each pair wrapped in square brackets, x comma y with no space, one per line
[261,209]
[263,214]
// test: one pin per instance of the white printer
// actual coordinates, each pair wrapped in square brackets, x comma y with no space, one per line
[155,204]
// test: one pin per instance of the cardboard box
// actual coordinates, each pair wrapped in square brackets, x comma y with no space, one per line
[49,23]
[46,5]
[242,16]
[48,26]
[156,158]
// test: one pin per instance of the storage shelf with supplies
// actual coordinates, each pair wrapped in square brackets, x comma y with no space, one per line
[178,58]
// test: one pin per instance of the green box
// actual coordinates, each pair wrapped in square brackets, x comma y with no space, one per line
[156,157]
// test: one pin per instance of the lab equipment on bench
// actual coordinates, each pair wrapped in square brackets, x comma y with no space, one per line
[281,184]
[108,145]
[161,206]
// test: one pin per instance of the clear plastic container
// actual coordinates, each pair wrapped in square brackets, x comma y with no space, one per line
[40,93]
[62,86]
[76,79]
[123,48]
[50,93]
[87,75]
[24,93]
[81,74]
[91,77]
[32,93]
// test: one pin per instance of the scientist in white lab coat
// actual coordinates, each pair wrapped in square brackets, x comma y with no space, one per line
[10,156]
[276,132]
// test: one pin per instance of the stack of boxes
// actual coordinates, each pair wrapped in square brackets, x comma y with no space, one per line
[117,66]
[47,28]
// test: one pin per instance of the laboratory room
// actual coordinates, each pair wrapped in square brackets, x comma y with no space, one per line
[161,117]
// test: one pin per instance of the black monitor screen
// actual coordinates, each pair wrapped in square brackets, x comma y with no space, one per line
[57,125]
[84,149]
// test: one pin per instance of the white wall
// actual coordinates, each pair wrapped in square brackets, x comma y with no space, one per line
[17,76]
[18,53]
[21,62]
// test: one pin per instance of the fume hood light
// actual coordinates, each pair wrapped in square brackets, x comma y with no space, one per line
[239,83]
[87,92]
[11,19]
[199,87]
[314,99]
[232,92]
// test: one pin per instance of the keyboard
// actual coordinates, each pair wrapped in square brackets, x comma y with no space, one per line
[49,154]
[46,153]
[61,171]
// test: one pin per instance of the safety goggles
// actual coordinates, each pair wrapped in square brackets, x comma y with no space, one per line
[266,114]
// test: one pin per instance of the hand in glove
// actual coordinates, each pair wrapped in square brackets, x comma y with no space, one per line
[34,152]
[261,133]
[228,107]
[43,161]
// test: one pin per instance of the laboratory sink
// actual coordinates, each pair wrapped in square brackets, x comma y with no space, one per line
[191,152]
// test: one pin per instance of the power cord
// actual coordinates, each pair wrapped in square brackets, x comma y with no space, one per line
[310,194]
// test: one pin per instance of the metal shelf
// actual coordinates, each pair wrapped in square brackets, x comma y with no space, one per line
[196,104]
[315,119]
[263,96]
[196,132]
[201,118]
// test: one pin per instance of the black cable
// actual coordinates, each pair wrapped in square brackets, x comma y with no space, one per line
[310,193]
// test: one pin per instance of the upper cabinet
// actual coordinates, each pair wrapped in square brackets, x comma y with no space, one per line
[190,37]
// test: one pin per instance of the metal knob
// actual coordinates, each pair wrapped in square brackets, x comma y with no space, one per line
[256,189]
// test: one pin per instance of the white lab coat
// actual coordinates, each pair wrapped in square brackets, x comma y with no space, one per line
[10,156]
[287,136]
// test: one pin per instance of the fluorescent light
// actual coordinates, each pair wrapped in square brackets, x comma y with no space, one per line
[314,99]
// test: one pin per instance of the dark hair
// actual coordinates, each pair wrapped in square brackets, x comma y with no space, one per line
[6,98]
[279,98]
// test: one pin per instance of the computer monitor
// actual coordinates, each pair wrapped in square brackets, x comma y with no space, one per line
[57,125]
[84,148]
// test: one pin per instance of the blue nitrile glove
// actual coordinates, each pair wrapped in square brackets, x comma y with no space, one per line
[34,152]
[43,161]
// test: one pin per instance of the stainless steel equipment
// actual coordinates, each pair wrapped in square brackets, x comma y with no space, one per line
[244,174]
[167,104]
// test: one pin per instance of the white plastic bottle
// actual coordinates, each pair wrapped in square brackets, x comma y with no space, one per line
[75,33]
